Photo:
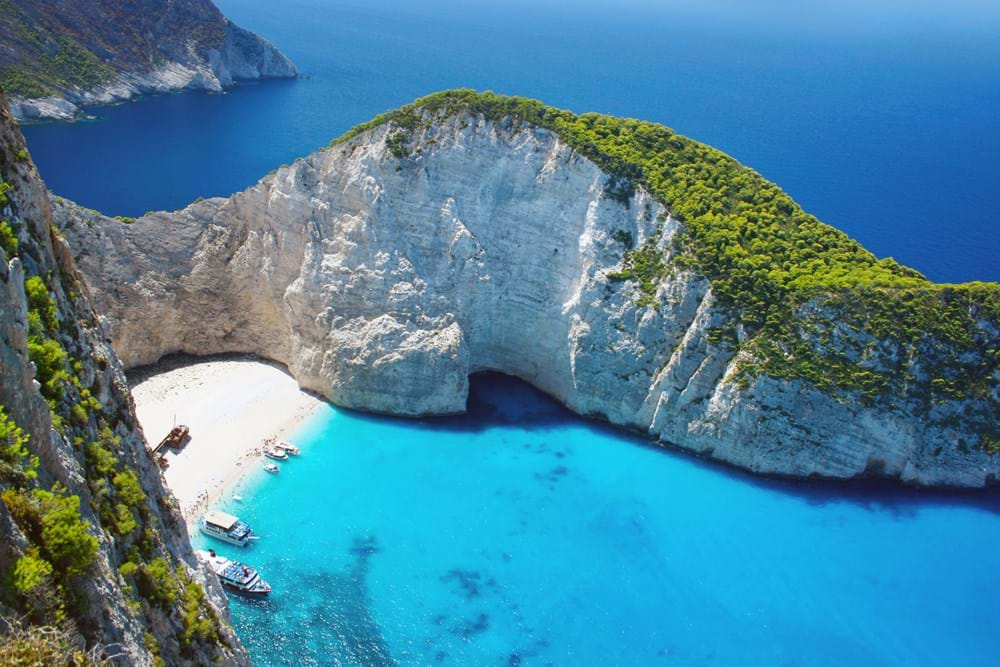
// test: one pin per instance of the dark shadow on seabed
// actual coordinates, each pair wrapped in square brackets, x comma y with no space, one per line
[498,400]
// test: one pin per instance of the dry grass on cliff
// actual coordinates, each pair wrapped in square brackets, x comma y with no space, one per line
[23,645]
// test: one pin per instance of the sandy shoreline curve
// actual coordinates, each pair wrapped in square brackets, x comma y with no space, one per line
[231,405]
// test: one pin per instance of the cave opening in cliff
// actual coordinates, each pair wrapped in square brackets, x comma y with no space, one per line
[497,399]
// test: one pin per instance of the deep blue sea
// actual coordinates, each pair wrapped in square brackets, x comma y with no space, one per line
[882,117]
[521,535]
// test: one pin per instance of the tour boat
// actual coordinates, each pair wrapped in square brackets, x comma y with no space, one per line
[271,468]
[275,453]
[288,448]
[236,576]
[226,527]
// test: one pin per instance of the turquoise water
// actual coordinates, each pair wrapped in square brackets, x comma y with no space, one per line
[521,535]
[879,116]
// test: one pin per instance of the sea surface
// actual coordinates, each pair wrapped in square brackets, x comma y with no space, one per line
[522,535]
[882,117]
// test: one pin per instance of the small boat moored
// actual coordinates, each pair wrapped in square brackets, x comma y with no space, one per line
[236,576]
[271,468]
[275,453]
[288,448]
[226,527]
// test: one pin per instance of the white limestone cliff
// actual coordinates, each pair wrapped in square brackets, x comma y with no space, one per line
[383,282]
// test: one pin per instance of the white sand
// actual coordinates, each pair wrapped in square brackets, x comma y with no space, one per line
[231,408]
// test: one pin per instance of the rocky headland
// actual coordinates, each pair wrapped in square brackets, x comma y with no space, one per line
[57,57]
[637,276]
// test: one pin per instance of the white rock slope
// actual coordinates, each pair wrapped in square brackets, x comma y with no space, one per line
[383,282]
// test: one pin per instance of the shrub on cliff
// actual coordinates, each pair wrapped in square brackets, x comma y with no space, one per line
[8,240]
[17,465]
[42,312]
[52,521]
[128,488]
[157,582]
[49,358]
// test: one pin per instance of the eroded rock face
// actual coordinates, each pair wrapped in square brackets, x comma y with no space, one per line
[383,275]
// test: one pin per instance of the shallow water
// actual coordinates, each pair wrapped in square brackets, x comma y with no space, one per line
[522,535]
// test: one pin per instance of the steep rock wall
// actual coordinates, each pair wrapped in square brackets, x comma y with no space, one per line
[383,271]
[104,607]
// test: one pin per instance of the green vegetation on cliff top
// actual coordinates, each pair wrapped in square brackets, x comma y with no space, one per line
[784,278]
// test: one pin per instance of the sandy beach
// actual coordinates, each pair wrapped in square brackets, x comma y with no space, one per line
[231,407]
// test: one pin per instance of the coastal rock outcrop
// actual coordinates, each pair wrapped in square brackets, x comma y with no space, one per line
[386,269]
[58,57]
[90,538]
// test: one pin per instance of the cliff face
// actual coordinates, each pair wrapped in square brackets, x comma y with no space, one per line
[386,269]
[89,534]
[58,56]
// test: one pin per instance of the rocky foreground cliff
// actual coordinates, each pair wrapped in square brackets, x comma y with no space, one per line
[637,276]
[56,57]
[92,544]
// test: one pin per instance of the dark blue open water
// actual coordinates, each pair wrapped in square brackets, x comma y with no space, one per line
[520,535]
[882,117]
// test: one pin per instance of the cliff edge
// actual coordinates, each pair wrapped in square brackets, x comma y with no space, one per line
[636,275]
[58,56]
[91,541]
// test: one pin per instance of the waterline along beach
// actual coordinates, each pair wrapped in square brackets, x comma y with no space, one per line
[232,407]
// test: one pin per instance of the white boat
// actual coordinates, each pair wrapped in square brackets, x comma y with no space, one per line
[235,575]
[275,453]
[226,527]
[288,448]
[271,468]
